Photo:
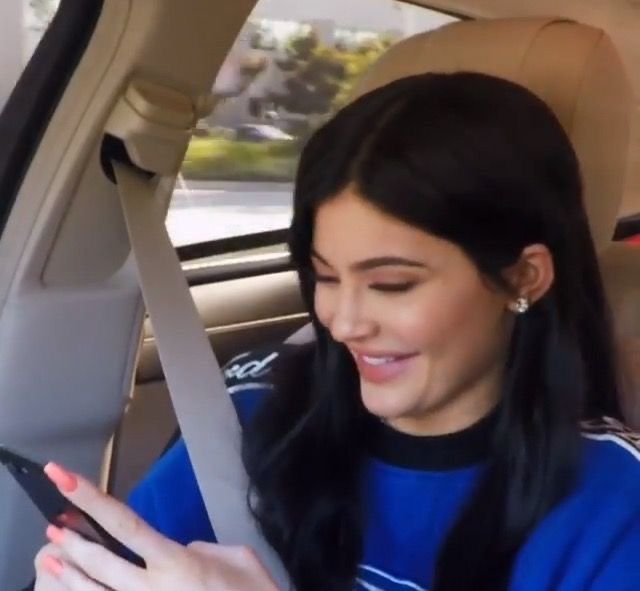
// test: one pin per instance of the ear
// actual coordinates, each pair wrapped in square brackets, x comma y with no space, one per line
[533,275]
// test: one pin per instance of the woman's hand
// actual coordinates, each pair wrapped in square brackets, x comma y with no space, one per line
[45,580]
[71,563]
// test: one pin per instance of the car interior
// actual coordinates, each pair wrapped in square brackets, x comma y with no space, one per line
[81,381]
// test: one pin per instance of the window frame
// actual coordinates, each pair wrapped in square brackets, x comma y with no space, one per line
[34,98]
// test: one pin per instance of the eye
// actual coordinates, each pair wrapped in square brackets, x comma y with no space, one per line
[393,287]
[324,278]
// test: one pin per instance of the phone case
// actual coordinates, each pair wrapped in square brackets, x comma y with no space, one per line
[52,504]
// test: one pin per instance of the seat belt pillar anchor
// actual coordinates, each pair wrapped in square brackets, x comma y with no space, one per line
[155,124]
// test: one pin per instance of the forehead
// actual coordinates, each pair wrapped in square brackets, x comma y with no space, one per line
[350,227]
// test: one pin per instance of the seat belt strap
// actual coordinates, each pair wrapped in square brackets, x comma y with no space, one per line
[203,407]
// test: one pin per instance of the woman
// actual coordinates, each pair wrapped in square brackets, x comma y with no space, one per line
[435,436]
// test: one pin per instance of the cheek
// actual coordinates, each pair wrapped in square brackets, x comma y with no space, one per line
[445,319]
[322,306]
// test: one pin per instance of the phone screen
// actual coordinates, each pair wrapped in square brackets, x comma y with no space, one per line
[56,508]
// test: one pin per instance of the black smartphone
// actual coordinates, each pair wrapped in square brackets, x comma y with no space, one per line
[56,508]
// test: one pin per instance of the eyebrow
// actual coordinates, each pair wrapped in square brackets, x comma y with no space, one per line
[374,263]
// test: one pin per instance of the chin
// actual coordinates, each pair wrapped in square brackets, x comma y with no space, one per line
[384,403]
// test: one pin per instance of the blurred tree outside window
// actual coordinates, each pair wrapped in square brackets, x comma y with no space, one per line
[293,65]
[314,81]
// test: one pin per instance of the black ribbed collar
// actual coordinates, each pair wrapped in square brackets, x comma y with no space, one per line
[434,453]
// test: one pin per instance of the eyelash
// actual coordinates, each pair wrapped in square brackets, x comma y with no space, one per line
[393,287]
[382,287]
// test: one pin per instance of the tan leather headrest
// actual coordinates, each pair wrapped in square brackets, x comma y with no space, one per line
[620,264]
[574,68]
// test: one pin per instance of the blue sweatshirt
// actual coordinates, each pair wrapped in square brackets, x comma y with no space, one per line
[590,542]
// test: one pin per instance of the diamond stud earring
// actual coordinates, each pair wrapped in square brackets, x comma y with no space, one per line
[521,305]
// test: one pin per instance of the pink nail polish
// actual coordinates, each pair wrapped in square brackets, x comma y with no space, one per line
[69,520]
[55,534]
[53,565]
[64,480]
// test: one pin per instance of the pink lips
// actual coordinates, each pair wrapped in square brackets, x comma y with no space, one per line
[384,372]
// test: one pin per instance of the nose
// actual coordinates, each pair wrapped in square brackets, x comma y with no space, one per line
[349,321]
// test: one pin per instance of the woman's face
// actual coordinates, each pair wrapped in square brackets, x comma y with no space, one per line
[427,333]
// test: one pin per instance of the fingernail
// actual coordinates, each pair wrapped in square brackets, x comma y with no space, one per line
[65,481]
[55,534]
[68,520]
[53,565]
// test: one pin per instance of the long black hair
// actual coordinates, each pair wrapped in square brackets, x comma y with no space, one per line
[485,164]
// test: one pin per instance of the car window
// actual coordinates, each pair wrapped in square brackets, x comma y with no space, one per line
[22,24]
[294,63]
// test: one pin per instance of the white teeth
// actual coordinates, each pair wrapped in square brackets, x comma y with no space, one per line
[377,360]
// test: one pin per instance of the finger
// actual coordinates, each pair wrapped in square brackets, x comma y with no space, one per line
[71,578]
[72,520]
[96,561]
[45,580]
[120,521]
[51,549]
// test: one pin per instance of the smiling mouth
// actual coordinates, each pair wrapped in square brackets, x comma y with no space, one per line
[376,361]
[379,369]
